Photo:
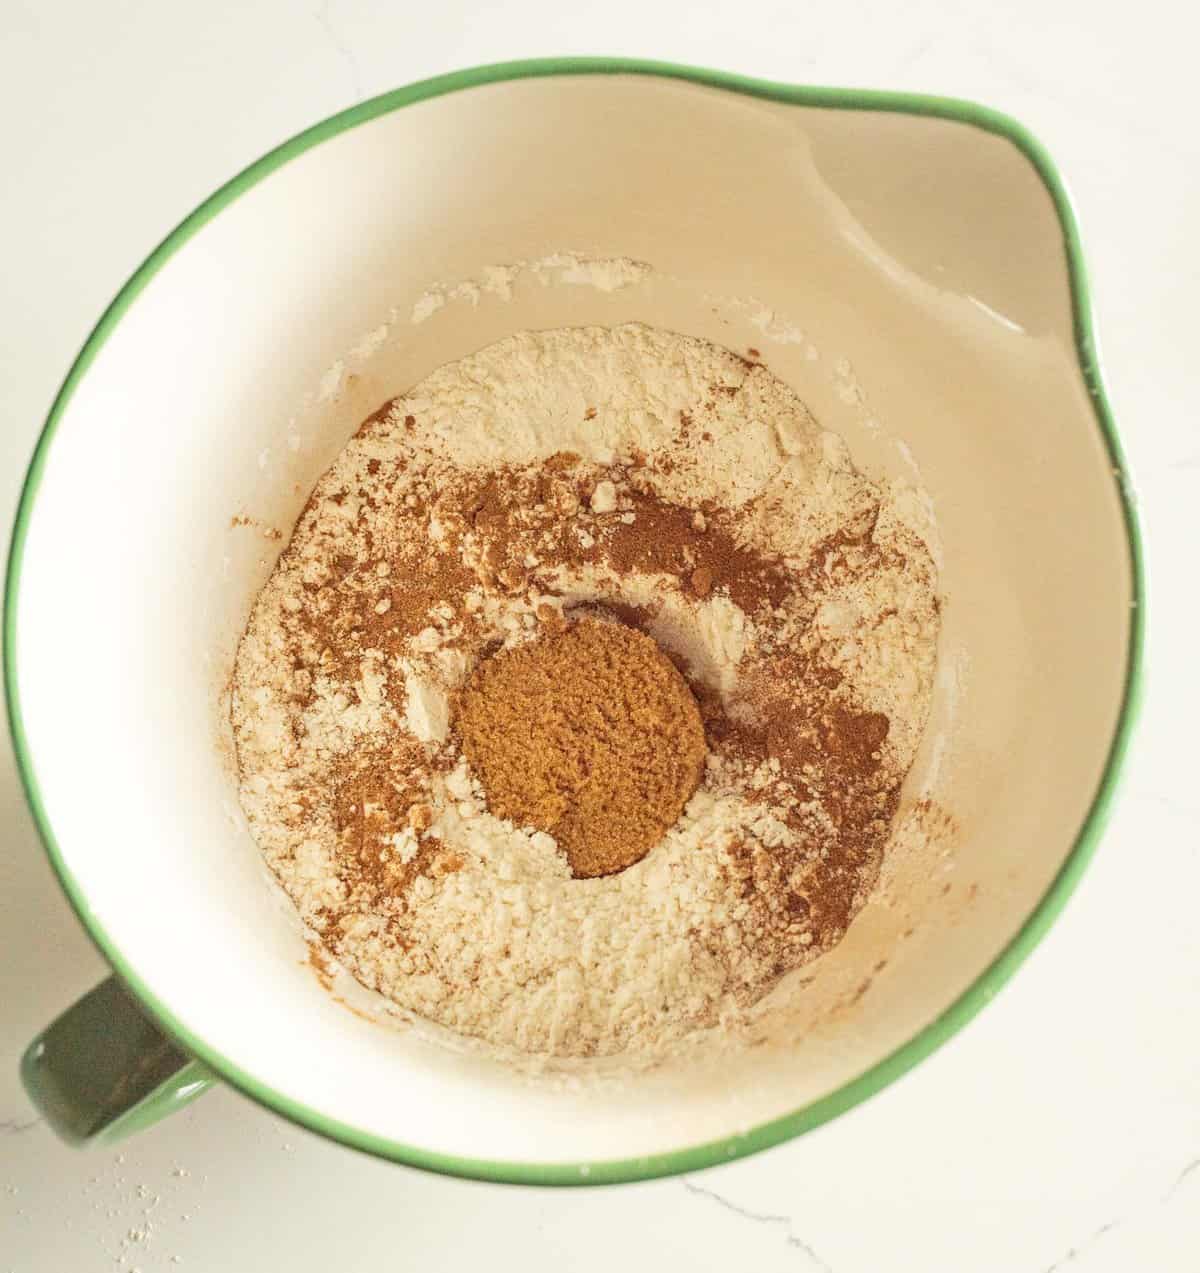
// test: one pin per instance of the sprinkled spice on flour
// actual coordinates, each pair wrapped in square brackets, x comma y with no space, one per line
[576,711]
[588,733]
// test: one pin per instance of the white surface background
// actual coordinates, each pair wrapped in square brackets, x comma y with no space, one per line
[1062,1128]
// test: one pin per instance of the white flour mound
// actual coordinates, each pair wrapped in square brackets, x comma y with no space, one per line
[507,946]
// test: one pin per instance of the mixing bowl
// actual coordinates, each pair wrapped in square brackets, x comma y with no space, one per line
[911,265]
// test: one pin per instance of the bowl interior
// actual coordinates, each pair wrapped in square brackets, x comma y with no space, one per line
[905,274]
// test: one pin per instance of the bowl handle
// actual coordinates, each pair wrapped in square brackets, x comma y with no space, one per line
[104,1070]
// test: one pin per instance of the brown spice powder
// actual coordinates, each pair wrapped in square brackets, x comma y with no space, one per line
[589,734]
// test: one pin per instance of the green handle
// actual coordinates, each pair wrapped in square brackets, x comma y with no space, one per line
[103,1070]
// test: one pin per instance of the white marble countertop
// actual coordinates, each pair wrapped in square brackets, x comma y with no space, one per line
[1061,1129]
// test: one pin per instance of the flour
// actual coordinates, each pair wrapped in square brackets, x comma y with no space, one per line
[628,469]
[605,274]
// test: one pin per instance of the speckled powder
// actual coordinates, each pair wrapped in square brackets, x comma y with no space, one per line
[348,668]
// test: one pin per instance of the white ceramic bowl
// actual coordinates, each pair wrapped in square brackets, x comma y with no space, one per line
[910,265]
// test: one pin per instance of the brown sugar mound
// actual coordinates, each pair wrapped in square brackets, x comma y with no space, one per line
[588,733]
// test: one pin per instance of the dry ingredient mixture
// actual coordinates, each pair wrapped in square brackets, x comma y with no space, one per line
[576,711]
[589,734]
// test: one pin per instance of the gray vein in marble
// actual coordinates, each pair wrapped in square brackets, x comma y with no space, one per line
[760,1218]
[13,1126]
[1194,1165]
[1076,1251]
[343,50]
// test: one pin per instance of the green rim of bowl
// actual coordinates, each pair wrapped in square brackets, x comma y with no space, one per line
[983,988]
